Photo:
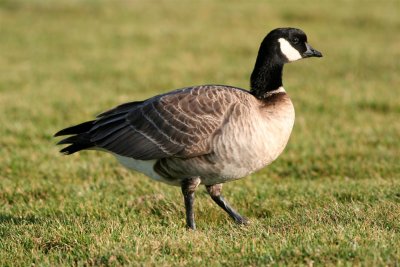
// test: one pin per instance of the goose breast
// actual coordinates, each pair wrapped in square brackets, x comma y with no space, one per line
[252,135]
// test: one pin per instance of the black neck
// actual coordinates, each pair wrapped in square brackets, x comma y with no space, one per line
[267,74]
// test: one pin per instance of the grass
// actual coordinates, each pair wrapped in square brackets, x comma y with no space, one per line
[332,198]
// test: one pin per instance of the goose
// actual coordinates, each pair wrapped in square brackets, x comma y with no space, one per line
[207,134]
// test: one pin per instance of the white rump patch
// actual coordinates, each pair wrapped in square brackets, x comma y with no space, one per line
[289,51]
[144,166]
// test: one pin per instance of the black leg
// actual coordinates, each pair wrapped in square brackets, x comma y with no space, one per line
[215,193]
[188,188]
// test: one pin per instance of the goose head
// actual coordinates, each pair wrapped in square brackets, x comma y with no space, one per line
[290,44]
[280,46]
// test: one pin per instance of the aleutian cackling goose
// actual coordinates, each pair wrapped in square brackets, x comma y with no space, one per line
[208,134]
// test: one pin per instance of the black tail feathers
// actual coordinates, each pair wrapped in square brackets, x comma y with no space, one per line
[79,140]
[77,129]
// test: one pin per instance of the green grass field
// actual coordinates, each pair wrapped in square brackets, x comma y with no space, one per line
[332,198]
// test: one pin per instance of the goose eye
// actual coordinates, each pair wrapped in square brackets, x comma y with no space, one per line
[295,40]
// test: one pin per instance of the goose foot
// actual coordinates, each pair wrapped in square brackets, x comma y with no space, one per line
[215,192]
[188,188]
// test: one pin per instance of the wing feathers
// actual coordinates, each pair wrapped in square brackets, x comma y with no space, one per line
[124,108]
[107,129]
[179,124]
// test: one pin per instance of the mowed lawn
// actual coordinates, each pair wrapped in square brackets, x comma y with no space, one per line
[332,198]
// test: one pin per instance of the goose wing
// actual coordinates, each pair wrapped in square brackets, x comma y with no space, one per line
[176,124]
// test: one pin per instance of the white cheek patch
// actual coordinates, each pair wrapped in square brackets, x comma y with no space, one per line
[289,51]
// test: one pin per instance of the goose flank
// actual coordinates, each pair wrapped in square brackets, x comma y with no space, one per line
[208,134]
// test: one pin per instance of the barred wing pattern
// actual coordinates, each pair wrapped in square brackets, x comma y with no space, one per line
[179,124]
